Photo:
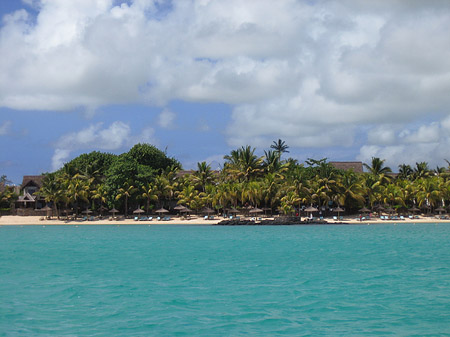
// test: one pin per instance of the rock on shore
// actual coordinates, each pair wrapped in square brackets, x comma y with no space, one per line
[284,221]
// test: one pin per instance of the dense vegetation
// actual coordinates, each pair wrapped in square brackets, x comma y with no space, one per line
[145,177]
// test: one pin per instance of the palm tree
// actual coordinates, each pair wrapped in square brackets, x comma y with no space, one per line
[100,193]
[377,167]
[421,170]
[125,192]
[350,190]
[428,194]
[163,188]
[243,163]
[203,175]
[150,194]
[404,171]
[78,190]
[280,147]
[188,195]
[51,191]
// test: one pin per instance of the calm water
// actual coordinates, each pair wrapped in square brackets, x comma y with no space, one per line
[227,281]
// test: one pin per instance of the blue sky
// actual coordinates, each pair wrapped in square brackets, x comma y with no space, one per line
[346,80]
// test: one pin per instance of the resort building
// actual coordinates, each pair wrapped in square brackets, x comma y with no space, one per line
[29,200]
[356,166]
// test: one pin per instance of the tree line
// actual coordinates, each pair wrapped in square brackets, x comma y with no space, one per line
[146,177]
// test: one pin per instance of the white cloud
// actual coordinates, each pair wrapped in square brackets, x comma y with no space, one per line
[5,127]
[430,143]
[309,72]
[117,136]
[166,118]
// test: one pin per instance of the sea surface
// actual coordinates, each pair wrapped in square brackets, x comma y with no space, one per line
[378,280]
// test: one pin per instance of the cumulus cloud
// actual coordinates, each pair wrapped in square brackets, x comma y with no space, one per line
[309,72]
[166,118]
[4,127]
[118,135]
[430,143]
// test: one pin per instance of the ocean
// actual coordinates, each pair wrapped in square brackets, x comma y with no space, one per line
[356,280]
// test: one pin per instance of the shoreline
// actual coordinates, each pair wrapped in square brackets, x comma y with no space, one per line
[15,220]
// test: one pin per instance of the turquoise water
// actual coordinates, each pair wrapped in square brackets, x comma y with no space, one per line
[225,281]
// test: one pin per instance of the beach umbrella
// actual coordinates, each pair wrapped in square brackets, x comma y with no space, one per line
[338,210]
[414,209]
[162,210]
[390,210]
[87,211]
[138,211]
[255,210]
[179,208]
[364,210]
[233,210]
[440,210]
[207,210]
[46,209]
[186,210]
[310,210]
[113,211]
[102,209]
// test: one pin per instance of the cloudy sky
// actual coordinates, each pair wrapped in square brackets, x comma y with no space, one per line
[346,80]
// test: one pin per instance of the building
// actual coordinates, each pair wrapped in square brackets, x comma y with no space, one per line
[29,198]
[356,166]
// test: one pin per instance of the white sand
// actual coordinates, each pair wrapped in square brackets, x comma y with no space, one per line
[36,220]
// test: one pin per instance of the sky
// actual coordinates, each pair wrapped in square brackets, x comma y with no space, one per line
[346,80]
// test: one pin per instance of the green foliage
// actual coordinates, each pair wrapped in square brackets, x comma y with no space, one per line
[90,164]
[146,177]
[150,156]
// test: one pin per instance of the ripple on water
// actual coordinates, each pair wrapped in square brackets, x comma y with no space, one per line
[203,281]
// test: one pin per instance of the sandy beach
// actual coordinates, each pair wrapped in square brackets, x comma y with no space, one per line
[37,220]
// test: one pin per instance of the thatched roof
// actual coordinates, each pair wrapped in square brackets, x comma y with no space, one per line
[356,166]
[32,181]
